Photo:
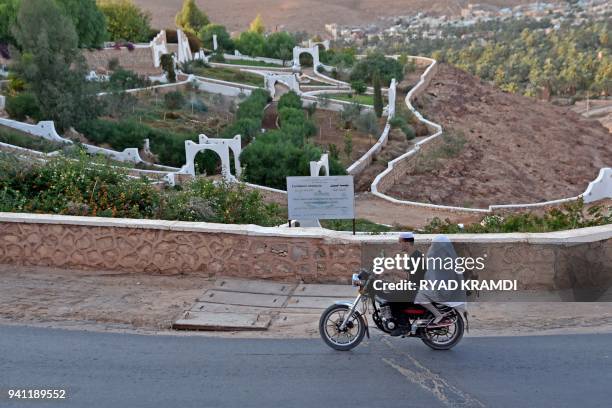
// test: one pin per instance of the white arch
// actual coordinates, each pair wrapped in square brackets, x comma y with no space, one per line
[290,80]
[221,147]
[324,43]
[313,51]
[316,166]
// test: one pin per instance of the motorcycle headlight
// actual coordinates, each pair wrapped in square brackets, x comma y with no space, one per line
[356,281]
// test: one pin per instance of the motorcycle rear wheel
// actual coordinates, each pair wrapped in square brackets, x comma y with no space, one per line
[437,340]
[329,328]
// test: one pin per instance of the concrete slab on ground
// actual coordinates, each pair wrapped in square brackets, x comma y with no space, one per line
[252,286]
[280,304]
[222,321]
[339,291]
[221,308]
[243,299]
[312,302]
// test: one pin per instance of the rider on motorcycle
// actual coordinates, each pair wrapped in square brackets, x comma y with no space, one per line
[441,261]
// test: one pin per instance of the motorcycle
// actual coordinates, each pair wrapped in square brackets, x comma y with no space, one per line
[343,325]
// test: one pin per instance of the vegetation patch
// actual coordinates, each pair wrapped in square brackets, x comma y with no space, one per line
[223,73]
[91,187]
[252,63]
[15,138]
[363,99]
[570,216]
[450,144]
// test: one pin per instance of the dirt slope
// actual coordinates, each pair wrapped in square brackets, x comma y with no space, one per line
[308,15]
[517,150]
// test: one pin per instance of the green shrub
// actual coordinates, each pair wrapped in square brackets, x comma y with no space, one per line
[253,106]
[90,187]
[203,200]
[570,216]
[85,186]
[367,122]
[118,135]
[217,57]
[22,106]
[290,100]
[359,86]
[273,156]
[122,79]
[246,128]
[400,123]
[174,100]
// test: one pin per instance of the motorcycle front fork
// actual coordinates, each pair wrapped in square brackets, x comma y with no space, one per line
[350,313]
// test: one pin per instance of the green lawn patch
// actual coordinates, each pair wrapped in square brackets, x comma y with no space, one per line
[230,75]
[362,99]
[252,63]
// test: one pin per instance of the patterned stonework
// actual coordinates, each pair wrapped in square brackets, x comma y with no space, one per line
[177,252]
[539,266]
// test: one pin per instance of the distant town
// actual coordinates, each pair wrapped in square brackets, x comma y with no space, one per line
[425,25]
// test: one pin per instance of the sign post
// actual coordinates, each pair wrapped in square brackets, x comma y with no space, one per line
[321,198]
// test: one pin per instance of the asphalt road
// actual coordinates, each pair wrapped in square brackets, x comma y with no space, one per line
[125,370]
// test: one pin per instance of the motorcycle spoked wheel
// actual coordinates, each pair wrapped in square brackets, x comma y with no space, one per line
[342,340]
[444,338]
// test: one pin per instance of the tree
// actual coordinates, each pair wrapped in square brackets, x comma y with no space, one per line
[257,25]
[348,144]
[8,15]
[387,68]
[280,45]
[51,64]
[367,123]
[88,21]
[125,20]
[251,43]
[191,18]
[224,40]
[167,64]
[378,99]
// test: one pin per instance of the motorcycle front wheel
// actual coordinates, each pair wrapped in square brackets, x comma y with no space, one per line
[444,338]
[329,328]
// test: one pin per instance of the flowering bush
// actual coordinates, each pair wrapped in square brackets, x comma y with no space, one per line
[91,187]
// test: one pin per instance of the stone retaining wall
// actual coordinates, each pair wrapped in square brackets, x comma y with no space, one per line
[539,261]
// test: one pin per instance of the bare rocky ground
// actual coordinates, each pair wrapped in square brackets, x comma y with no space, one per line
[308,15]
[148,304]
[517,150]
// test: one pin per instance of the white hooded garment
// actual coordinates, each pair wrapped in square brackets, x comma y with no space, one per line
[441,260]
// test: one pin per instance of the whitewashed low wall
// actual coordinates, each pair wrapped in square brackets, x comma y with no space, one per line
[43,129]
[597,190]
[46,130]
[365,160]
[223,87]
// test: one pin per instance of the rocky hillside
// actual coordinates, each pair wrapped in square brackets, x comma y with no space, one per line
[514,149]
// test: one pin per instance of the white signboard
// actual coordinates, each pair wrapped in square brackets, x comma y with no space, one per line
[323,198]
